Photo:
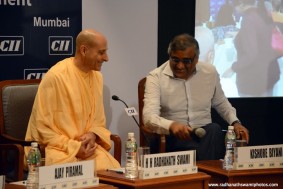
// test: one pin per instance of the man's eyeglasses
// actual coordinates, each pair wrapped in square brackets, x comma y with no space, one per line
[186,61]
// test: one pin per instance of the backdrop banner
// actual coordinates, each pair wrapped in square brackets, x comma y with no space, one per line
[35,34]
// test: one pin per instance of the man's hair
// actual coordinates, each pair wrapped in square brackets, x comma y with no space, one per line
[182,42]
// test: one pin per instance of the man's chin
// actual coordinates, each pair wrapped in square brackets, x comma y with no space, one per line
[97,69]
[181,75]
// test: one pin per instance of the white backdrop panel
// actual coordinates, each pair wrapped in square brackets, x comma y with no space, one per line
[131,29]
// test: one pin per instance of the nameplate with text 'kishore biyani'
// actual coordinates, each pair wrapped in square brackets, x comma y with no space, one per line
[259,157]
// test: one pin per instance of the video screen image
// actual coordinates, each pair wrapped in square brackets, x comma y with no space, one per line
[243,40]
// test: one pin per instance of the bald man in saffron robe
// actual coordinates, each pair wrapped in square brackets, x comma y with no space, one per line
[68,112]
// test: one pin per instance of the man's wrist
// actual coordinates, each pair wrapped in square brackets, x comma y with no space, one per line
[237,121]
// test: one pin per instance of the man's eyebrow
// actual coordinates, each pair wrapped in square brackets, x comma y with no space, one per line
[102,50]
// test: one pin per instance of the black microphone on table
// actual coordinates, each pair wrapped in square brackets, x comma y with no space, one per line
[116,98]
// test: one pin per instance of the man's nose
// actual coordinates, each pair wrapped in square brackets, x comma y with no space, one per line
[105,58]
[180,65]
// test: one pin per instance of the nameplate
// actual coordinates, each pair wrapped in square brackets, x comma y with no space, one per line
[259,154]
[149,174]
[258,165]
[74,174]
[83,183]
[170,160]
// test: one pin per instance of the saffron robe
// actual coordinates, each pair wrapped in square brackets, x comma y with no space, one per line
[68,104]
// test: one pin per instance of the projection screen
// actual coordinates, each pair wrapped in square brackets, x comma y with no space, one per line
[242,39]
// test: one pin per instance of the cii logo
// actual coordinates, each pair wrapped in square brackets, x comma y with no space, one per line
[60,45]
[35,73]
[11,45]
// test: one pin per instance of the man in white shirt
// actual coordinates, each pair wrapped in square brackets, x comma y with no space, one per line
[178,99]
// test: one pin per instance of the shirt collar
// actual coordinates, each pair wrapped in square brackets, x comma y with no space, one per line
[167,70]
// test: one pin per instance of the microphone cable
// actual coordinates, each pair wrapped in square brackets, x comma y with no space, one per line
[116,98]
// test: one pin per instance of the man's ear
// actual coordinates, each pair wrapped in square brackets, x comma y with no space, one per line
[83,50]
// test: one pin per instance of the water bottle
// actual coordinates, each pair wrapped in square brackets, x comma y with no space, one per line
[230,143]
[33,160]
[131,167]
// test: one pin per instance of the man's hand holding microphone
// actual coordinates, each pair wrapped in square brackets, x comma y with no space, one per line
[186,132]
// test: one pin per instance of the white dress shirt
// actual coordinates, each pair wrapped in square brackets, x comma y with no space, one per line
[168,99]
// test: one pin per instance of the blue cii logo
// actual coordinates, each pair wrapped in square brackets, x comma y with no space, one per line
[35,73]
[60,45]
[11,45]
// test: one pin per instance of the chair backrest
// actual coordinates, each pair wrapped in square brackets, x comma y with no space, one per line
[157,142]
[117,146]
[141,87]
[16,101]
[17,97]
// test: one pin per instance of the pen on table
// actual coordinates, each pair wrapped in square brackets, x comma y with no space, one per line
[116,171]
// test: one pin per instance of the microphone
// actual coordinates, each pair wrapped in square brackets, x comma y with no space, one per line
[116,98]
[199,132]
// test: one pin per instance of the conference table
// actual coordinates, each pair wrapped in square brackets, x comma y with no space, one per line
[236,179]
[189,181]
[100,186]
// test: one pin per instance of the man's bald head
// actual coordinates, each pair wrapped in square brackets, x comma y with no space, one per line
[88,37]
[91,50]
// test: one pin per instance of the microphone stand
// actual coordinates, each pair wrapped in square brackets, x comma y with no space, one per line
[116,98]
[132,115]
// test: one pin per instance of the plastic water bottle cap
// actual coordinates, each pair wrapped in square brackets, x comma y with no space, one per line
[34,144]
[231,127]
[131,135]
